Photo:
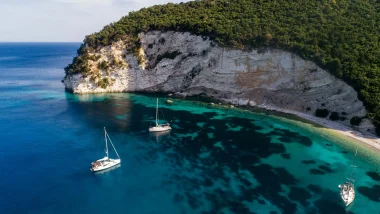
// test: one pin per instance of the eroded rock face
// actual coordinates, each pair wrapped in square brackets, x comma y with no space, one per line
[190,65]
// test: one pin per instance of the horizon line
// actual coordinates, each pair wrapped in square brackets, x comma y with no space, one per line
[37,42]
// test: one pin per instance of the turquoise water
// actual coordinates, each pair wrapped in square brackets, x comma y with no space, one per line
[215,160]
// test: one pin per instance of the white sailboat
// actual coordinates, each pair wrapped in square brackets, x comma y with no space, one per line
[347,190]
[105,162]
[159,127]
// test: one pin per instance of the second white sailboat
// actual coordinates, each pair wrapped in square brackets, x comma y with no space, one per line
[159,127]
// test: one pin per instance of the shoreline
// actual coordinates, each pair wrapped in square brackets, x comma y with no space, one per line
[368,139]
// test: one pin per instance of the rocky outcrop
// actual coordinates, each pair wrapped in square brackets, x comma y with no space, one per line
[190,65]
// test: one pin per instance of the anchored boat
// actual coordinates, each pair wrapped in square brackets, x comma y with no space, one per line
[159,127]
[105,162]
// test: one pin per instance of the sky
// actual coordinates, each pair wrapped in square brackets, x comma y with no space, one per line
[62,20]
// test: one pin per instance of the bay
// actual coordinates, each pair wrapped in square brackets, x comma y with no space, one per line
[215,160]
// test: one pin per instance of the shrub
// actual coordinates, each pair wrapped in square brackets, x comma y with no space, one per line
[93,78]
[93,57]
[104,65]
[355,121]
[321,112]
[162,41]
[116,63]
[268,37]
[334,116]
[104,83]
[140,59]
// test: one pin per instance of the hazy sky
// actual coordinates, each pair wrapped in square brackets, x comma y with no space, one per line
[62,20]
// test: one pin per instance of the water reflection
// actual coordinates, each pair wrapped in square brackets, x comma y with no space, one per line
[160,135]
[99,110]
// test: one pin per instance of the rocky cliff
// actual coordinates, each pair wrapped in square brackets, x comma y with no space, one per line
[189,65]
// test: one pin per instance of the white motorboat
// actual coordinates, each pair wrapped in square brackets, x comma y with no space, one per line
[105,162]
[347,190]
[159,127]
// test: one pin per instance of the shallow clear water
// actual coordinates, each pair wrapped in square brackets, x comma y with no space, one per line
[215,160]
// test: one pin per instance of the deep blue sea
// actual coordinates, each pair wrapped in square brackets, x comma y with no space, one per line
[215,160]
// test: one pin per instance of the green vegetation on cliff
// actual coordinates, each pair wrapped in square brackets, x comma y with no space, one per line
[341,36]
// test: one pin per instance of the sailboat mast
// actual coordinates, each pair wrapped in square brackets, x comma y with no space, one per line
[105,138]
[157,113]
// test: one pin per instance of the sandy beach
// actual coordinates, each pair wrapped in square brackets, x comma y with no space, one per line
[369,139]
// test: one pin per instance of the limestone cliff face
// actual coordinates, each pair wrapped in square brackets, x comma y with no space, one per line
[189,65]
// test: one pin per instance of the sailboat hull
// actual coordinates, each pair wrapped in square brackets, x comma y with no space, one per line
[159,128]
[104,163]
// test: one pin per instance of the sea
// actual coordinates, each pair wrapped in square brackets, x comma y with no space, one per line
[216,159]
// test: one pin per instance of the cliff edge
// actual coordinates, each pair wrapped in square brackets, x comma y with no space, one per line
[189,65]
